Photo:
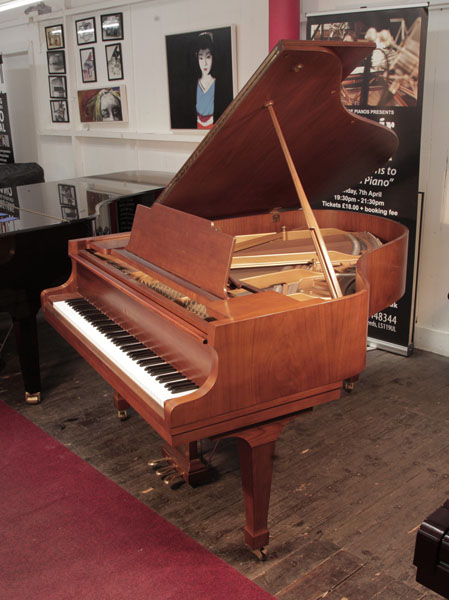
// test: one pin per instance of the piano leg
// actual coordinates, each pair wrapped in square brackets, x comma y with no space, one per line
[121,406]
[25,330]
[348,384]
[256,449]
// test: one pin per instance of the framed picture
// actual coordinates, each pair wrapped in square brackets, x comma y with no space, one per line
[59,111]
[58,86]
[112,27]
[56,62]
[54,34]
[86,32]
[67,194]
[114,61]
[103,104]
[88,68]
[69,212]
[201,76]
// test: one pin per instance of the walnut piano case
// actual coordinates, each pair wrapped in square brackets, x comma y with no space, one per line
[238,310]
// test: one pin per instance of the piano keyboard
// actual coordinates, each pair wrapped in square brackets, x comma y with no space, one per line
[149,371]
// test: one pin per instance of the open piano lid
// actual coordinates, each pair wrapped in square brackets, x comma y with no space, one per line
[239,167]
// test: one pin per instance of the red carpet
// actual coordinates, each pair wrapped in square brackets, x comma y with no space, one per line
[66,531]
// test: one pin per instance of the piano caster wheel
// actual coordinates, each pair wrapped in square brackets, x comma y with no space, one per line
[122,415]
[260,553]
[32,398]
[174,481]
[348,386]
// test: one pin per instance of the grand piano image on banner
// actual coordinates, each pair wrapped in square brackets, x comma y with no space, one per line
[231,307]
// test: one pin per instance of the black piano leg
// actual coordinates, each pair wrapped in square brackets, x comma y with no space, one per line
[25,330]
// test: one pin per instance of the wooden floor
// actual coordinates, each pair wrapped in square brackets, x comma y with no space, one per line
[353,479]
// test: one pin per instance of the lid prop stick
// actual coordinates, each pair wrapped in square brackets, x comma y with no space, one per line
[312,224]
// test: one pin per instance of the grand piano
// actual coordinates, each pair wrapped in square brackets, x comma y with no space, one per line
[232,307]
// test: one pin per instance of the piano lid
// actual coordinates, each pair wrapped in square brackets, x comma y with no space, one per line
[239,167]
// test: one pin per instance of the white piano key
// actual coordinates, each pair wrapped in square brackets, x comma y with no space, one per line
[142,378]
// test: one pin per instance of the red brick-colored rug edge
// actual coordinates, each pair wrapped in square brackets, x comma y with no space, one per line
[67,532]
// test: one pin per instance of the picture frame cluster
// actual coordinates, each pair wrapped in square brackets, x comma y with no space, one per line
[68,201]
[111,27]
[57,74]
[110,32]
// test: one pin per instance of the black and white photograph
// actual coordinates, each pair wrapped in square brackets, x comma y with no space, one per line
[69,212]
[54,34]
[67,194]
[56,62]
[58,86]
[112,27]
[114,61]
[59,111]
[88,66]
[85,31]
[200,76]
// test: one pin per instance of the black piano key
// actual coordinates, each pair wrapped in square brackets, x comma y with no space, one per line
[80,305]
[182,388]
[106,326]
[172,385]
[116,334]
[87,313]
[160,369]
[148,362]
[91,313]
[83,310]
[123,341]
[100,318]
[171,377]
[77,301]
[132,346]
[136,354]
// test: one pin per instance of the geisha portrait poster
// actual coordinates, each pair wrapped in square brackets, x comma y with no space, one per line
[201,78]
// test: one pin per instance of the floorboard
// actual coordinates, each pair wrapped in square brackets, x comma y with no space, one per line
[352,479]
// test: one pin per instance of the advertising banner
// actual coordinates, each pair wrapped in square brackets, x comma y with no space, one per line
[6,152]
[387,88]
